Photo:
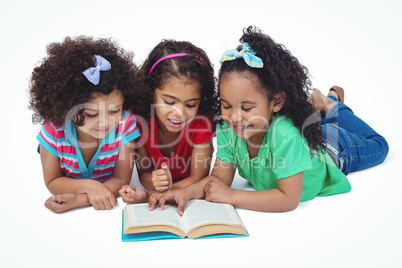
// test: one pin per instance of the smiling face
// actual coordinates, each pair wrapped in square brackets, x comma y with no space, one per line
[176,104]
[102,113]
[245,107]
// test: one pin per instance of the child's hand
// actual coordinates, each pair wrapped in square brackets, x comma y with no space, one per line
[178,196]
[162,179]
[61,203]
[100,197]
[217,191]
[131,195]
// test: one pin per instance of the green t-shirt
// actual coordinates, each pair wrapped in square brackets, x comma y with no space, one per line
[283,153]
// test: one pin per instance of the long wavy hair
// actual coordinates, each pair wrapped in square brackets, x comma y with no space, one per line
[196,67]
[282,72]
[57,85]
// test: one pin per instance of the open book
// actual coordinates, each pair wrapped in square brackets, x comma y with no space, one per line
[200,219]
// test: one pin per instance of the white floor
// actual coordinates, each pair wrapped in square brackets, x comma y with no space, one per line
[354,44]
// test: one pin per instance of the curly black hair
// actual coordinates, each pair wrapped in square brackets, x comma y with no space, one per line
[282,72]
[196,67]
[58,84]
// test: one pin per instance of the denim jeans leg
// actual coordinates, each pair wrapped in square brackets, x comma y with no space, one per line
[335,146]
[356,144]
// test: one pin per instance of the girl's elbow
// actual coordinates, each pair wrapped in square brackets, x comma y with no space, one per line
[290,205]
[286,206]
[293,205]
[291,201]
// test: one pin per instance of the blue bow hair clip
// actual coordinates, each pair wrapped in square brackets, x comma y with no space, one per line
[246,53]
[93,73]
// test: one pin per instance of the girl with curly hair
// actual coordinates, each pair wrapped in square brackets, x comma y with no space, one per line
[272,132]
[178,102]
[82,93]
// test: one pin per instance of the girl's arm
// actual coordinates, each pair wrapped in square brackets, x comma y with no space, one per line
[285,198]
[200,164]
[123,169]
[55,180]
[222,171]
[87,191]
[144,168]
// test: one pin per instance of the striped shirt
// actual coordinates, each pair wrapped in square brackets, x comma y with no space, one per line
[61,141]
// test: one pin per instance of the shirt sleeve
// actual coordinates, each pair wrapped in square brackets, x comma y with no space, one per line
[202,129]
[47,138]
[225,146]
[130,128]
[292,156]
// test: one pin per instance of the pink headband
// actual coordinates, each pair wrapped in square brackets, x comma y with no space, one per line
[171,56]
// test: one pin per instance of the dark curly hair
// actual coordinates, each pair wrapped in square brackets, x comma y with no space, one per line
[58,84]
[282,72]
[196,67]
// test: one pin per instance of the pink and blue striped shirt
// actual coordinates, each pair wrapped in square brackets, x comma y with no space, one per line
[62,142]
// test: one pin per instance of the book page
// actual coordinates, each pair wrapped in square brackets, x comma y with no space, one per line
[139,214]
[198,212]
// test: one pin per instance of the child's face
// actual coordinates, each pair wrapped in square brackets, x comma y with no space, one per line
[102,114]
[176,103]
[244,107]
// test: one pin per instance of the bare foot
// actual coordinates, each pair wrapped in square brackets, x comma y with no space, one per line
[321,102]
[131,195]
[63,202]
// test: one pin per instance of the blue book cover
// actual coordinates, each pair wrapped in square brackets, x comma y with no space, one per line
[201,219]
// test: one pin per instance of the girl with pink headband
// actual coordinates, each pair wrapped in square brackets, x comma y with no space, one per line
[177,100]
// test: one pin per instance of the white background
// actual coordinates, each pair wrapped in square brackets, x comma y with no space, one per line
[354,44]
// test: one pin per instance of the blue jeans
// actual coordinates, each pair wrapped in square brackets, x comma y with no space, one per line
[351,143]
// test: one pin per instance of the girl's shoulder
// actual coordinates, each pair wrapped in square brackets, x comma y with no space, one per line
[222,125]
[125,114]
[128,117]
[283,132]
[128,123]
[53,128]
[225,133]
[284,125]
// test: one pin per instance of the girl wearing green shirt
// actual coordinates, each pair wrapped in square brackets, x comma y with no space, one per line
[291,147]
